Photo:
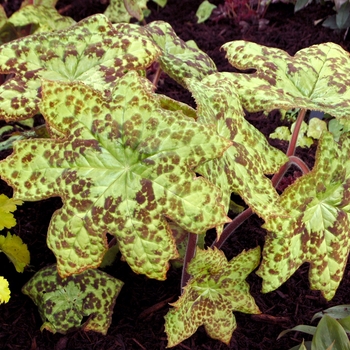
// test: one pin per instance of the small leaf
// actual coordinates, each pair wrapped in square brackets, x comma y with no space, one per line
[330,332]
[4,290]
[343,16]
[316,128]
[161,3]
[63,303]
[135,8]
[315,78]
[7,206]
[16,251]
[204,11]
[217,288]
[300,4]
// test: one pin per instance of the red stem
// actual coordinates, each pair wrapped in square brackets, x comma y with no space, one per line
[190,253]
[242,217]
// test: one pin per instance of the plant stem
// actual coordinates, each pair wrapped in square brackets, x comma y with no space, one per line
[293,141]
[231,227]
[299,163]
[190,253]
[242,217]
[156,76]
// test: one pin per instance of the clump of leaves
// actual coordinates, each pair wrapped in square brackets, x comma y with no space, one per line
[133,163]
[330,333]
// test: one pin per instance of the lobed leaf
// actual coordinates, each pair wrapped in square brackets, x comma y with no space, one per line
[63,303]
[315,78]
[120,165]
[7,206]
[15,250]
[91,51]
[316,231]
[243,165]
[217,287]
[46,18]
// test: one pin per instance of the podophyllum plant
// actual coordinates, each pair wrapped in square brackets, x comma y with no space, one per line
[140,166]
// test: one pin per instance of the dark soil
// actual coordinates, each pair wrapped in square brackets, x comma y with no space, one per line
[134,325]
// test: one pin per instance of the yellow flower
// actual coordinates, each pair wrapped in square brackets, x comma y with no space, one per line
[4,290]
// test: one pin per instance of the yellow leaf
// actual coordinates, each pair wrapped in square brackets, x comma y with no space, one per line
[4,290]
[7,205]
[16,251]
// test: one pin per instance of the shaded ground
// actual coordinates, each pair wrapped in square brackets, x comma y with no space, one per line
[291,304]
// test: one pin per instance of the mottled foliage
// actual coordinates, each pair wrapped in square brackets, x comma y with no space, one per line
[91,51]
[178,59]
[316,78]
[123,10]
[217,288]
[63,303]
[43,18]
[317,231]
[120,166]
[242,168]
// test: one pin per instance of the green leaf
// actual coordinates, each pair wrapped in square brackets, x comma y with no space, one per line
[63,303]
[316,231]
[243,165]
[4,290]
[217,288]
[316,128]
[120,165]
[45,18]
[204,11]
[161,3]
[91,51]
[343,16]
[300,328]
[330,332]
[337,312]
[15,250]
[316,78]
[179,59]
[7,206]
[300,4]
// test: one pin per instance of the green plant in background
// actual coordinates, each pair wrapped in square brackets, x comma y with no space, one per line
[331,331]
[339,21]
[152,171]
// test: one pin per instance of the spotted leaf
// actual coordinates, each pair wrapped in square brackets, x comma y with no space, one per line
[91,51]
[217,287]
[42,17]
[120,165]
[123,10]
[317,230]
[316,78]
[63,303]
[243,165]
[178,59]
